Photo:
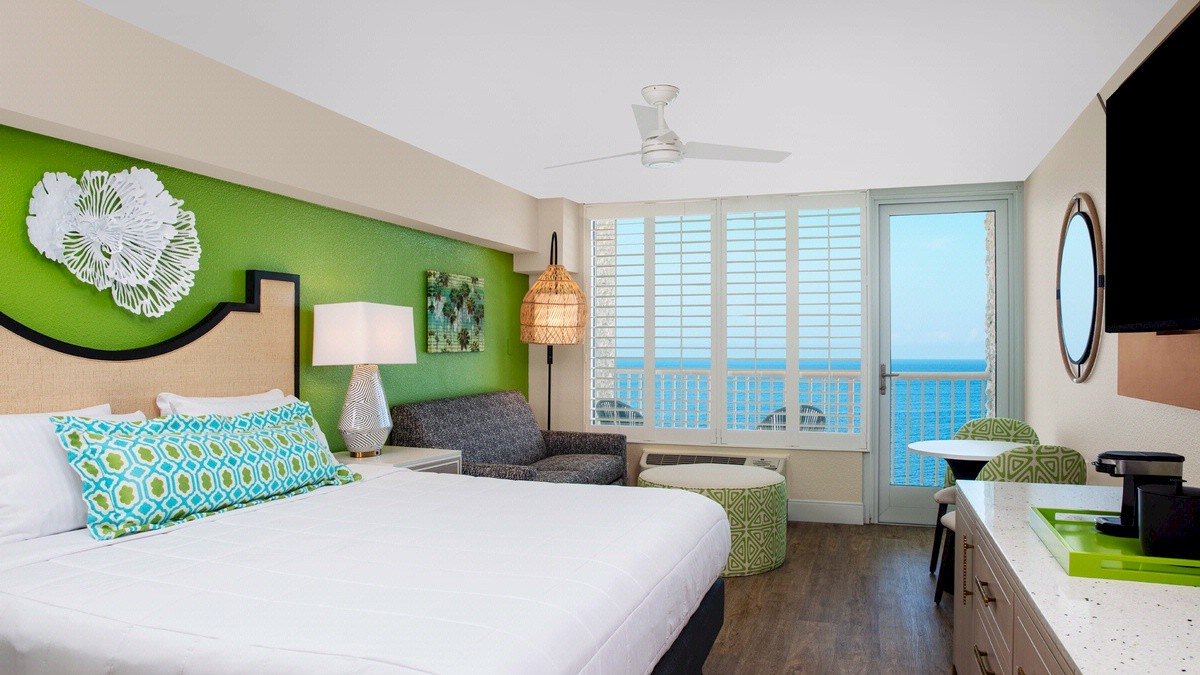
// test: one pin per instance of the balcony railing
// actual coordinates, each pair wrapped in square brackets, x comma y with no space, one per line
[923,406]
[926,406]
[831,401]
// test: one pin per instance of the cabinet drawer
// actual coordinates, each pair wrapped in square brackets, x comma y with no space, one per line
[989,655]
[438,466]
[993,594]
[1032,653]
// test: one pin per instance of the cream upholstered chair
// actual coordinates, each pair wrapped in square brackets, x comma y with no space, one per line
[984,429]
[1056,464]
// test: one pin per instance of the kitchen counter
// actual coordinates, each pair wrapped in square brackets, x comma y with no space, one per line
[1102,625]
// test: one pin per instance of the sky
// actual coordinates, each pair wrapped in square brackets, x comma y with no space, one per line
[938,286]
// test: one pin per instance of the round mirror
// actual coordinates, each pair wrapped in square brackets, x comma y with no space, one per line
[1080,287]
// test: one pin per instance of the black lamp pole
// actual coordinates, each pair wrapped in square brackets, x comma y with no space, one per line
[550,348]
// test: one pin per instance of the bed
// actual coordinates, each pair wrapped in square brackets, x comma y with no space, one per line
[397,572]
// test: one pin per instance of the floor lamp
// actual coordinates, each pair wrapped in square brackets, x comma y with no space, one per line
[554,312]
[363,335]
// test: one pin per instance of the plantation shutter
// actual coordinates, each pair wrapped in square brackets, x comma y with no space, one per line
[830,303]
[756,320]
[771,355]
[618,334]
[683,320]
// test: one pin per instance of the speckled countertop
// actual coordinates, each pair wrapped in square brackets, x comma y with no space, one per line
[1105,625]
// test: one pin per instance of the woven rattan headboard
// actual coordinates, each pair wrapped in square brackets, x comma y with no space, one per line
[239,348]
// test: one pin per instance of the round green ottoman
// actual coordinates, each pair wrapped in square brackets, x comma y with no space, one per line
[754,499]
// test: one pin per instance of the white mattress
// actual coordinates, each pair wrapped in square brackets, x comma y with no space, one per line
[402,572]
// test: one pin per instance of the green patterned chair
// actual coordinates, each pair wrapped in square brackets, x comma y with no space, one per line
[754,499]
[1037,464]
[1055,464]
[982,429]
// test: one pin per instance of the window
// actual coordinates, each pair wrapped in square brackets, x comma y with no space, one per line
[735,321]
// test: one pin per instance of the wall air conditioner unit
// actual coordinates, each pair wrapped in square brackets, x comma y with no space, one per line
[671,456]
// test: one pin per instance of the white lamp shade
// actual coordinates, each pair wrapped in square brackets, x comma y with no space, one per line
[352,333]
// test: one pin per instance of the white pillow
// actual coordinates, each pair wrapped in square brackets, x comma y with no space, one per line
[40,494]
[230,405]
[175,404]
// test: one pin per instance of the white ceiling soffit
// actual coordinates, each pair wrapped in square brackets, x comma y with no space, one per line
[863,94]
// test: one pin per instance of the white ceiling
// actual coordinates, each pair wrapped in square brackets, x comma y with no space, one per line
[865,94]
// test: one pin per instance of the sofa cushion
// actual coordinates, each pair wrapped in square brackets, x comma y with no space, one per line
[494,427]
[599,469]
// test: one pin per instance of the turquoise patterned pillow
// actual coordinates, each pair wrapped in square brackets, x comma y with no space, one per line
[140,476]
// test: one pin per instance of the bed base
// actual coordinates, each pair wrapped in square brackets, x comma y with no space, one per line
[689,651]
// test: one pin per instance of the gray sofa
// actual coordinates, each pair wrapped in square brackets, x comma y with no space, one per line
[500,438]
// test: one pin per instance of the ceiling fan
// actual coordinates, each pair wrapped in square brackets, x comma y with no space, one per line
[662,147]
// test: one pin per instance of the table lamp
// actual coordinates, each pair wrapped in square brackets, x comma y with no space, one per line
[554,312]
[363,335]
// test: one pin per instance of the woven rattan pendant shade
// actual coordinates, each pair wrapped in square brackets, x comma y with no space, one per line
[554,311]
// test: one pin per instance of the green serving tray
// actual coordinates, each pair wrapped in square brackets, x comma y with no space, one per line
[1084,552]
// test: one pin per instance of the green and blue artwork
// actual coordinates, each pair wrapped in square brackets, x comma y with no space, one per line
[454,303]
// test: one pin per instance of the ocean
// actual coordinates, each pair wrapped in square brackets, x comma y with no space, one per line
[930,398]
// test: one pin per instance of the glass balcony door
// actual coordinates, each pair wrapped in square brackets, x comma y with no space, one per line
[938,324]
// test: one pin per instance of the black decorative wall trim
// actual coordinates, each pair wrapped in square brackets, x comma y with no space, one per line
[252,304]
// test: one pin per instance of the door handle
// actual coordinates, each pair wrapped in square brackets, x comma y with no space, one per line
[883,377]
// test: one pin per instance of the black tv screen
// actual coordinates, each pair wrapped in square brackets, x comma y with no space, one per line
[1152,266]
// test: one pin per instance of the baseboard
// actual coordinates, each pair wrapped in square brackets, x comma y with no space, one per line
[844,513]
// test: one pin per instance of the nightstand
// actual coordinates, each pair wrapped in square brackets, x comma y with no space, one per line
[433,460]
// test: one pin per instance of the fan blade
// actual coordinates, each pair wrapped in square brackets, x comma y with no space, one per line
[733,152]
[597,159]
[647,121]
[669,137]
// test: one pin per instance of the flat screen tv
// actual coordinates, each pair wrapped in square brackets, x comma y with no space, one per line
[1152,265]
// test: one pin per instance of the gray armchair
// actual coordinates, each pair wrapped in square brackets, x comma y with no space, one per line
[500,438]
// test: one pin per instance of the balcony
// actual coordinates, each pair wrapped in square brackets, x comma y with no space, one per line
[831,400]
[923,405]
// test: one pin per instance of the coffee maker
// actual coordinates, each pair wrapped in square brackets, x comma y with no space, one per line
[1137,468]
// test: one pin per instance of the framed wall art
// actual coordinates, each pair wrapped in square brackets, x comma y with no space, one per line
[454,304]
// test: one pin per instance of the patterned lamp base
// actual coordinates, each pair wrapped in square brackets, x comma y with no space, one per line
[365,423]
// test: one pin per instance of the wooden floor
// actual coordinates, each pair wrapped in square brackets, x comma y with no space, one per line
[848,599]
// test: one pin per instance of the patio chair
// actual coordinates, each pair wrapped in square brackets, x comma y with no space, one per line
[984,429]
[812,418]
[620,413]
[1055,464]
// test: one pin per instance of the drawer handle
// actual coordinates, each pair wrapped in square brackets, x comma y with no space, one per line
[1020,670]
[966,594]
[983,592]
[981,659]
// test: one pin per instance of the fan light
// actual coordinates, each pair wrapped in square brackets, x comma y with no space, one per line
[661,156]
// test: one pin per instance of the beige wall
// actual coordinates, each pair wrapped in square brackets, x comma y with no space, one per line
[78,74]
[1090,417]
[812,475]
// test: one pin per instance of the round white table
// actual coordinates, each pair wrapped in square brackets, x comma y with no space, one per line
[965,456]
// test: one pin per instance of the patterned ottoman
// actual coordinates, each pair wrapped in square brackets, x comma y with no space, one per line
[755,501]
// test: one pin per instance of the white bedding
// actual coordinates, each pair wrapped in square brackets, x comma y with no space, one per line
[401,572]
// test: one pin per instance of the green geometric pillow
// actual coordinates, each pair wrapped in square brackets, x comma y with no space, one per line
[140,476]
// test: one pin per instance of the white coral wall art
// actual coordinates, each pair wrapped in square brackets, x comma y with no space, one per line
[121,231]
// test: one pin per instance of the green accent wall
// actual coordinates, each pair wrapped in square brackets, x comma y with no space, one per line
[340,257]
